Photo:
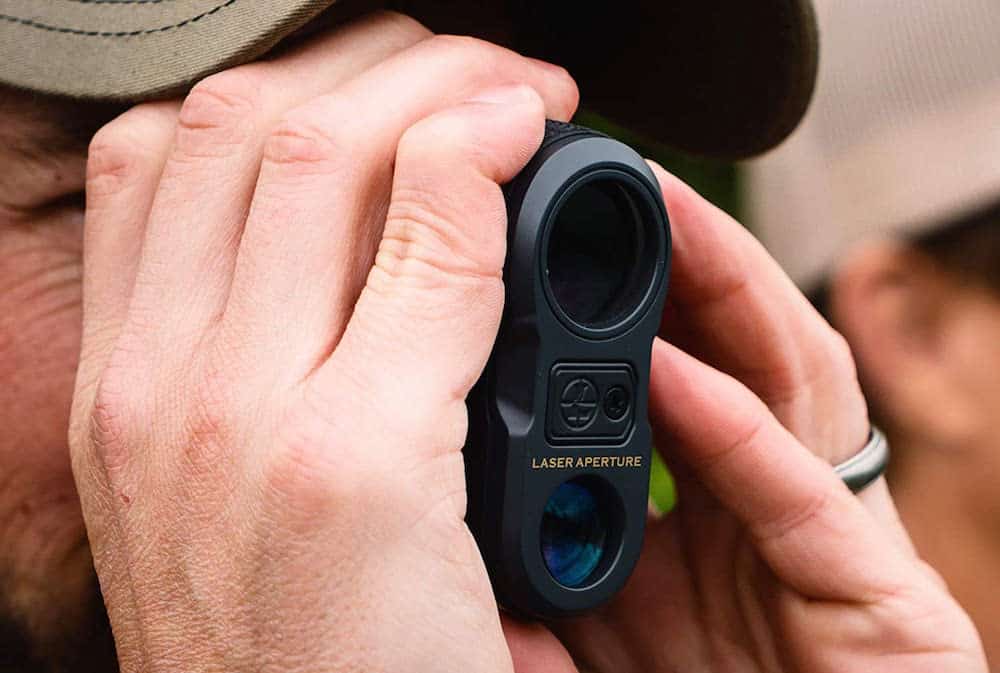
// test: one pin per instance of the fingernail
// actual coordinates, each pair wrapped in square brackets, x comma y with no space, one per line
[510,94]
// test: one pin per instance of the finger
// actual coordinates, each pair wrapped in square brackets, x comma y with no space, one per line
[124,163]
[535,649]
[201,205]
[732,305]
[808,527]
[327,172]
[427,317]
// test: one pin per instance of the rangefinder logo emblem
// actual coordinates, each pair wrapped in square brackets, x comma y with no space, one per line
[584,462]
[578,403]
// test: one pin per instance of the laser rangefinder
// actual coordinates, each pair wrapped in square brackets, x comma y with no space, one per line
[558,451]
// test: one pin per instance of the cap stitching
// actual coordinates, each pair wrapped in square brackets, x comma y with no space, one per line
[119,2]
[98,33]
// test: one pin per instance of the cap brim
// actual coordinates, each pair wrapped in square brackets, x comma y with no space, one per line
[711,77]
[129,50]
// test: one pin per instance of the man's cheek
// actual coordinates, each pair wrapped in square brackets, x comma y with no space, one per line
[45,565]
[40,314]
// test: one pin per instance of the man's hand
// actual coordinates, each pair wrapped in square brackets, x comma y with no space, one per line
[293,278]
[768,563]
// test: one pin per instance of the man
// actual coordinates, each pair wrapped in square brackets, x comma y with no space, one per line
[275,259]
[888,200]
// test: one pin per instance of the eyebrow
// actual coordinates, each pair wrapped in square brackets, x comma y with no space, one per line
[37,126]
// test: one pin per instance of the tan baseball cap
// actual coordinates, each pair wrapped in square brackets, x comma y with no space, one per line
[714,77]
[903,135]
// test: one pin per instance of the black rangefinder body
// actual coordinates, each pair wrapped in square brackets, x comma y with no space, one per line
[558,454]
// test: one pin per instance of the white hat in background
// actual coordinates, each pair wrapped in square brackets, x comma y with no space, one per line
[903,134]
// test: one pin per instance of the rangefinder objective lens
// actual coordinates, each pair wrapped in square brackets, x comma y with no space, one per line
[574,532]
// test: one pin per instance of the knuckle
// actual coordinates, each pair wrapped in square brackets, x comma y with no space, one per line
[426,236]
[831,362]
[118,155]
[420,136]
[750,430]
[828,361]
[431,229]
[428,141]
[811,509]
[304,143]
[487,62]
[471,51]
[841,355]
[123,395]
[932,574]
[219,113]
[315,470]
[209,431]
[111,162]
[397,27]
[568,92]
[106,443]
[296,477]
[444,138]
[449,42]
[309,483]
[562,76]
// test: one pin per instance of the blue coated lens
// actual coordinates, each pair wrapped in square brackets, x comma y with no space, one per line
[574,532]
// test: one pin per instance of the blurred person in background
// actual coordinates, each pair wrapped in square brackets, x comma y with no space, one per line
[885,205]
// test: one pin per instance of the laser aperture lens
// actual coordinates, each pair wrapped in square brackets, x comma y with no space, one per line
[575,532]
[601,257]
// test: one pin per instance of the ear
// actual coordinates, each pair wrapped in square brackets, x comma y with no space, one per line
[898,310]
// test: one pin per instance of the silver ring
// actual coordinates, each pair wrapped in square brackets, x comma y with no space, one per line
[866,465]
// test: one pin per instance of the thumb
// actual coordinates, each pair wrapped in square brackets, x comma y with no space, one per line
[426,320]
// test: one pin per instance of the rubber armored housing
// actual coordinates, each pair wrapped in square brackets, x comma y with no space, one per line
[563,399]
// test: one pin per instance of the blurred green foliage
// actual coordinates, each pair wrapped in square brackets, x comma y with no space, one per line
[715,180]
[661,486]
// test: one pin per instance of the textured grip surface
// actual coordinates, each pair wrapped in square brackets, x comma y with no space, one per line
[556,131]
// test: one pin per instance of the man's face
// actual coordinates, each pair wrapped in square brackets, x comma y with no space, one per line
[39,335]
[48,593]
[924,324]
[977,349]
